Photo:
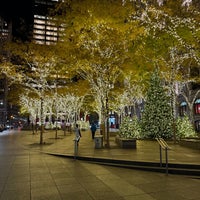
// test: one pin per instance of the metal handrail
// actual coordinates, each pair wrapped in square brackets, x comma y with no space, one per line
[163,145]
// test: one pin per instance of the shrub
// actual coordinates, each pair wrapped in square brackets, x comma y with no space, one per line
[185,128]
[130,128]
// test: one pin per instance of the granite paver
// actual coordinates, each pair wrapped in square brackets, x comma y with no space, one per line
[27,173]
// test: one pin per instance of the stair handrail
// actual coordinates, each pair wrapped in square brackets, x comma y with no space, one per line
[163,145]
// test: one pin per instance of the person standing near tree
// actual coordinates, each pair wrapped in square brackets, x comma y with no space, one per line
[93,129]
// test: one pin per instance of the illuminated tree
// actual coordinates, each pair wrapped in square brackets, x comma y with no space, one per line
[184,128]
[30,105]
[132,94]
[130,128]
[171,42]
[97,64]
[96,51]
[157,117]
[31,66]
[97,41]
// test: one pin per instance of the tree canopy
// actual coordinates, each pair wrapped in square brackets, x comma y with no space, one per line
[107,49]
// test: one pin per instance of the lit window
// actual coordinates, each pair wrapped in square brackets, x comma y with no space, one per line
[197,106]
[183,108]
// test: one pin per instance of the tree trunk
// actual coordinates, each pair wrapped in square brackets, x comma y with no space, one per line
[42,121]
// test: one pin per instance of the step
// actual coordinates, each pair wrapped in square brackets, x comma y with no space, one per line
[173,168]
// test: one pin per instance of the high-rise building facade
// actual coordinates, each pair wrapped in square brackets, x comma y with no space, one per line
[5,34]
[25,20]
[45,30]
[29,20]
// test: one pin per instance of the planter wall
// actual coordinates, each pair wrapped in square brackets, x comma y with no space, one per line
[191,143]
[126,143]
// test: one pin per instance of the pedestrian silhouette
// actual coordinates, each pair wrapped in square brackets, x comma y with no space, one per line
[93,129]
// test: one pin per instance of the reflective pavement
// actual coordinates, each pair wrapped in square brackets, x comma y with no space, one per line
[26,172]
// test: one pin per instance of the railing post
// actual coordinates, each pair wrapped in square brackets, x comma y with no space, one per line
[75,148]
[166,157]
[160,150]
[163,145]
[160,155]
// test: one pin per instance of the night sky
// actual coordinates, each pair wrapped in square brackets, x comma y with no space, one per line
[20,12]
[16,8]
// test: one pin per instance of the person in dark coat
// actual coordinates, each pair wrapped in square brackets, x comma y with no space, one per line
[93,129]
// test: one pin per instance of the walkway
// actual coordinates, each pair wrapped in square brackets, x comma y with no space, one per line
[147,151]
[28,174]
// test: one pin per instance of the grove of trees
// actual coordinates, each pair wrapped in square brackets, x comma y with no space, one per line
[104,57]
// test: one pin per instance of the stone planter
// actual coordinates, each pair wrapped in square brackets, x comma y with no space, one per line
[191,143]
[126,143]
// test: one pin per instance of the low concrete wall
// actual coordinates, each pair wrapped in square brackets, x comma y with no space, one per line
[191,143]
[126,143]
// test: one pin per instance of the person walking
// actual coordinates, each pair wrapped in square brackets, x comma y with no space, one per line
[93,129]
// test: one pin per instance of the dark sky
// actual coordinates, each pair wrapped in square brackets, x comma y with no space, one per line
[15,8]
[20,12]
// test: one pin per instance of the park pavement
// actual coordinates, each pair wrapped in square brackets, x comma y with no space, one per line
[146,151]
[28,172]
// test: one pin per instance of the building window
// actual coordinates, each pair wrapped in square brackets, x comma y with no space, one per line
[45,30]
[183,108]
[197,106]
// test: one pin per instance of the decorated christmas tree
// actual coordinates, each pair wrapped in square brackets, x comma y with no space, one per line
[157,114]
[185,128]
[130,128]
